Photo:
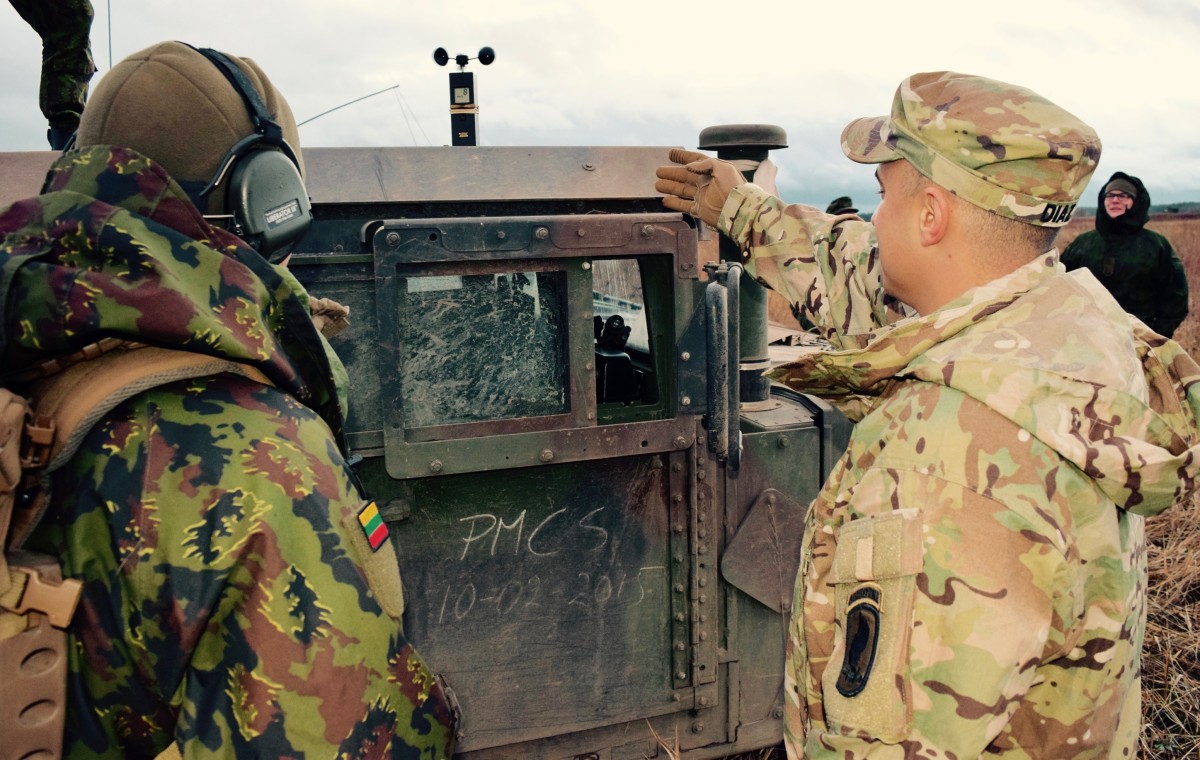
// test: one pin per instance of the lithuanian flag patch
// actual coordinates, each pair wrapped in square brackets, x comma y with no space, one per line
[373,526]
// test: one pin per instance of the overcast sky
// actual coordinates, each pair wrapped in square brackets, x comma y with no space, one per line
[656,72]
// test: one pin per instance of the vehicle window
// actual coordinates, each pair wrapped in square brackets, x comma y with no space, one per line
[617,289]
[483,347]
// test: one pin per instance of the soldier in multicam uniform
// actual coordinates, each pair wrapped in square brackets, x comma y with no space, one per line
[974,571]
[238,599]
[67,67]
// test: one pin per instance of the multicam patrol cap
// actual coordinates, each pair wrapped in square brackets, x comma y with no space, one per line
[1001,147]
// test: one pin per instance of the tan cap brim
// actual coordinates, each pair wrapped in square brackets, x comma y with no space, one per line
[870,140]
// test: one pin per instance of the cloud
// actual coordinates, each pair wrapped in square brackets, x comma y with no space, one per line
[570,72]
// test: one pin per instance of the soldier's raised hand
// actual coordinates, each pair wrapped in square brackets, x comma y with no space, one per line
[697,184]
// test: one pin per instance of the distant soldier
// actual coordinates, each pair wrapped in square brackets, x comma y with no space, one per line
[64,26]
[1138,266]
[841,205]
[973,571]
[241,597]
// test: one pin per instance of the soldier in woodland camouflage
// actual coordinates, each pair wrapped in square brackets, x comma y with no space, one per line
[974,570]
[67,67]
[240,597]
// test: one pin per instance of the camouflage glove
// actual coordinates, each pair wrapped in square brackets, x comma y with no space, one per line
[700,187]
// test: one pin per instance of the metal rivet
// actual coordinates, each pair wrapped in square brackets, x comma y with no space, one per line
[782,442]
[587,264]
[681,675]
[647,230]
[679,442]
[589,166]
[703,582]
[703,637]
[777,712]
[686,355]
[591,415]
[702,550]
[677,498]
[501,234]
[393,238]
[675,698]
[679,646]
[583,233]
[771,499]
[703,701]
[700,475]
[588,366]
[686,401]
[541,233]
[546,455]
[679,588]
[704,598]
[697,727]
[676,467]
[435,465]
[679,557]
[679,617]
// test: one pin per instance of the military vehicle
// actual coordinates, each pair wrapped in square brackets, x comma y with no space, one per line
[557,401]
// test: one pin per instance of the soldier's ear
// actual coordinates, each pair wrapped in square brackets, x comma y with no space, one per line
[934,208]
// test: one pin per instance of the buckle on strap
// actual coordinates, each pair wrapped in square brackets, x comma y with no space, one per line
[37,439]
[32,593]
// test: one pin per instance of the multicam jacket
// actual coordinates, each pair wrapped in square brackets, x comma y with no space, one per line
[974,569]
[232,602]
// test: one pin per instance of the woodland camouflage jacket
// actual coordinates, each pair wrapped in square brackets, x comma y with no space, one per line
[974,571]
[232,603]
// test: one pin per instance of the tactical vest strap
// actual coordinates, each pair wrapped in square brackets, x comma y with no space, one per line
[33,665]
[81,395]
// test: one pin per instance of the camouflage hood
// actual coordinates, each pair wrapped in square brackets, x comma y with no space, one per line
[1023,346]
[113,248]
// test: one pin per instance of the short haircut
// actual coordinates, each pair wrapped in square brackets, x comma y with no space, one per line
[1003,241]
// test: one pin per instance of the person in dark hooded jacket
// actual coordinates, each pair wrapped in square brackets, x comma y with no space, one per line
[1138,266]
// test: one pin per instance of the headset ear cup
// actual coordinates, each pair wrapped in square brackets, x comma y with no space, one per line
[268,200]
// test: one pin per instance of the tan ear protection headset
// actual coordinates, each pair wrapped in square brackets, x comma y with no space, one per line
[260,175]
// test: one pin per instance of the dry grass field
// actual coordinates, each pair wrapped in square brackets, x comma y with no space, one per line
[1171,665]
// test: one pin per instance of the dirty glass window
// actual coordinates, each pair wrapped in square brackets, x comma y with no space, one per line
[481,347]
[617,289]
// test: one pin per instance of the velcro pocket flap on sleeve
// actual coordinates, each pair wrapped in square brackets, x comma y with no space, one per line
[879,547]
